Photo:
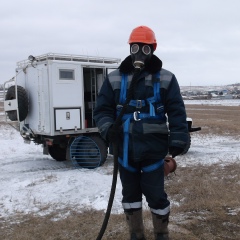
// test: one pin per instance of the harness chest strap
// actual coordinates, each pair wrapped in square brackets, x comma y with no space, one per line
[137,116]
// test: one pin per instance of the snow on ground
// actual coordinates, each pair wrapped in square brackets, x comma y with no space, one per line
[31,181]
[222,102]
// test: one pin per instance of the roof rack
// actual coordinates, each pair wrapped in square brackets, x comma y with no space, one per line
[71,57]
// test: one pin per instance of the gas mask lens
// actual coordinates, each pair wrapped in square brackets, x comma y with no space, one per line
[134,48]
[145,49]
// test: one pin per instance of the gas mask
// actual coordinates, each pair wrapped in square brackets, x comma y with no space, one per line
[141,53]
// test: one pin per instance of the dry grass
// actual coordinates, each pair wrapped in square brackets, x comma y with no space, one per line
[207,197]
[222,120]
[209,200]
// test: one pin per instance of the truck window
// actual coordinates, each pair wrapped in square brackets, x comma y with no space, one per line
[66,74]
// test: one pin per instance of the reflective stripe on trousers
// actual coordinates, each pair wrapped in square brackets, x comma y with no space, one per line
[150,184]
[132,205]
[161,211]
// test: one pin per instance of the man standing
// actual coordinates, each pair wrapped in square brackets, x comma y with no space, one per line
[148,93]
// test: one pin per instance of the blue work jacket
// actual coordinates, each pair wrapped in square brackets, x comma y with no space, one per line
[149,137]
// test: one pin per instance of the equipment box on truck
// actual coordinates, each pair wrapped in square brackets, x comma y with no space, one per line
[52,98]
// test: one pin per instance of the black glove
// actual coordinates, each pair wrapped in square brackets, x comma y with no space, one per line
[113,134]
[174,151]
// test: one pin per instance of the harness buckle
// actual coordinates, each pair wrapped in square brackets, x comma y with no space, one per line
[138,103]
[135,116]
[119,107]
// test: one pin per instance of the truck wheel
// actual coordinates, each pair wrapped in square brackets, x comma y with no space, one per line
[188,144]
[88,151]
[56,152]
[22,103]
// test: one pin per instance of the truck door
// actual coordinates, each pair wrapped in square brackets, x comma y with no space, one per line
[93,79]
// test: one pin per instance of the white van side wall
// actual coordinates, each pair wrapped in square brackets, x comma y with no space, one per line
[52,98]
[66,93]
[66,96]
[59,89]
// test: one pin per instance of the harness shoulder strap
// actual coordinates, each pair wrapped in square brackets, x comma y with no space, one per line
[123,90]
[156,86]
[156,89]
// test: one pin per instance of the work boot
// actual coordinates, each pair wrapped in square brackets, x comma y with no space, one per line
[135,224]
[160,226]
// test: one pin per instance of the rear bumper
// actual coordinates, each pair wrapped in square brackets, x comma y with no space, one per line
[194,129]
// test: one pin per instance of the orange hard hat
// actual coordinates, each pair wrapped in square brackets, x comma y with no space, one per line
[143,34]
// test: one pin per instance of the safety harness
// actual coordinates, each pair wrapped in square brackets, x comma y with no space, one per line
[153,113]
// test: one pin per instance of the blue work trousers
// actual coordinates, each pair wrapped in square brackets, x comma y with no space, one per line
[150,184]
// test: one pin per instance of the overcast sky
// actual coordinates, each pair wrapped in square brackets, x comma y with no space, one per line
[199,41]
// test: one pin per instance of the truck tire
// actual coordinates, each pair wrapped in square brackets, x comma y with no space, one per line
[57,152]
[188,145]
[22,103]
[88,151]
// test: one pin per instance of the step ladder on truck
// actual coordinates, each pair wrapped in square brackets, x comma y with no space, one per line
[51,101]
